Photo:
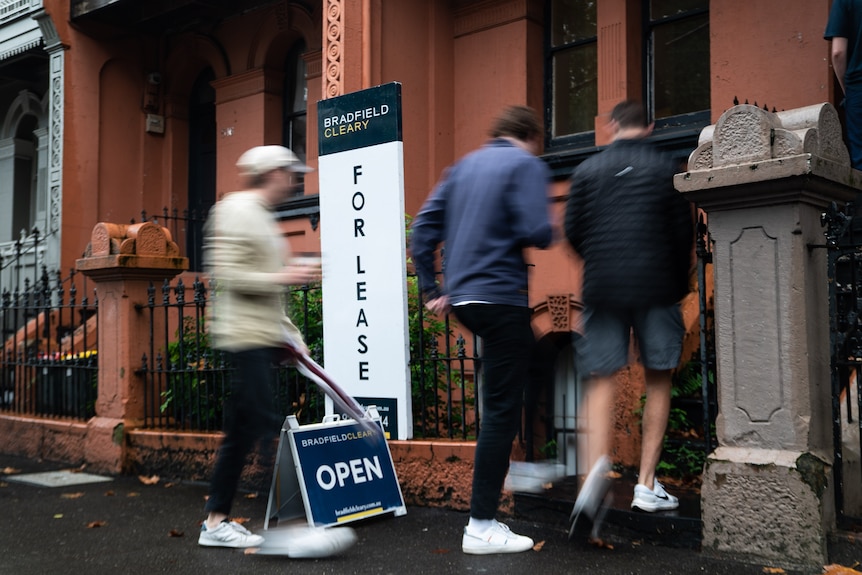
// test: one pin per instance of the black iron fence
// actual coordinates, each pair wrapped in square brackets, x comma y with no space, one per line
[844,248]
[49,354]
[187,380]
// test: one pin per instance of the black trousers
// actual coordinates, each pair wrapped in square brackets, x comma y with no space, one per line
[507,348]
[249,417]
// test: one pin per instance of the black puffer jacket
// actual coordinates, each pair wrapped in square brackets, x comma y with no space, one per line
[632,228]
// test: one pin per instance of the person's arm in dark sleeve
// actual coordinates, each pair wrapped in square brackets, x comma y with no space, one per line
[532,205]
[427,232]
[574,211]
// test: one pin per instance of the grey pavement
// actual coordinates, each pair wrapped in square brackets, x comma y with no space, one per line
[125,526]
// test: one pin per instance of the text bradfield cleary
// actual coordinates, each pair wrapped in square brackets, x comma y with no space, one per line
[352,121]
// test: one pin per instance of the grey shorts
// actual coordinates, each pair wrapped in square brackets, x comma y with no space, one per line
[604,349]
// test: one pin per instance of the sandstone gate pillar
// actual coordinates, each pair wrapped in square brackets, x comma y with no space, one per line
[123,260]
[764,179]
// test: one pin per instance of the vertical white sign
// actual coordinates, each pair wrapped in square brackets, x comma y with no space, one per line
[365,330]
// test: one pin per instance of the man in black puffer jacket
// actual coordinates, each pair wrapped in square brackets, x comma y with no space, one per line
[634,232]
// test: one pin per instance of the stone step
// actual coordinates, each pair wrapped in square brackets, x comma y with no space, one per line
[678,528]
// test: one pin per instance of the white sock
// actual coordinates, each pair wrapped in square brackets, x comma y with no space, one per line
[479,526]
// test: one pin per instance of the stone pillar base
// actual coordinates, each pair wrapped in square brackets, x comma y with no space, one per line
[104,447]
[766,506]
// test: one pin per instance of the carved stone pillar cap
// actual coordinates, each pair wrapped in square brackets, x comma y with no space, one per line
[143,250]
[745,134]
[749,145]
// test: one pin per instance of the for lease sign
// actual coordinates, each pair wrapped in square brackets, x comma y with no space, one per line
[361,165]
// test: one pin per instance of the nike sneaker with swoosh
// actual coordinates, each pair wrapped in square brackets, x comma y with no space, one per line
[655,499]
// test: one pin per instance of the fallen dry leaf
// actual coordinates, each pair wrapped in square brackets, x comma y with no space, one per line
[95,524]
[77,495]
[240,520]
[538,546]
[600,543]
[175,533]
[109,493]
[614,474]
[168,485]
[251,496]
[133,494]
[440,551]
[836,569]
[3,484]
[10,471]
[151,480]
[773,570]
[251,550]
[58,516]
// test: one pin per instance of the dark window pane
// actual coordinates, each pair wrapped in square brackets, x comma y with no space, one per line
[664,8]
[575,90]
[297,136]
[572,21]
[681,67]
[295,102]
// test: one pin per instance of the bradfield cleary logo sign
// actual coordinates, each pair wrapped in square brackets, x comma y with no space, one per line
[361,119]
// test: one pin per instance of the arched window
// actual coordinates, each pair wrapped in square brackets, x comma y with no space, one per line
[202,163]
[295,101]
[26,177]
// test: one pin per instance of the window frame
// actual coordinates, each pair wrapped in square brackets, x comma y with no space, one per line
[677,134]
[679,124]
[569,141]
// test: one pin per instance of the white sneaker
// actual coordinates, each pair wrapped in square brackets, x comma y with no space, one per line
[533,477]
[497,539]
[655,499]
[593,490]
[228,534]
[308,542]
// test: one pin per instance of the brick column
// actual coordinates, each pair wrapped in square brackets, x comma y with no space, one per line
[764,179]
[123,261]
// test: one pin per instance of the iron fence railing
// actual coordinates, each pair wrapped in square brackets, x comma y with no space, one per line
[187,380]
[843,231]
[49,353]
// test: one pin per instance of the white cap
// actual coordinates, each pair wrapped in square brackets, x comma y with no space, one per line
[263,159]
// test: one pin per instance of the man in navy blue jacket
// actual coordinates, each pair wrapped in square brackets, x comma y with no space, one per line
[634,232]
[489,207]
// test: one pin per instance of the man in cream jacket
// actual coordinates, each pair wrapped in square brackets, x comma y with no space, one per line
[250,265]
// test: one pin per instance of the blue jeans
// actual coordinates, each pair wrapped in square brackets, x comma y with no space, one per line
[248,418]
[507,349]
[853,119]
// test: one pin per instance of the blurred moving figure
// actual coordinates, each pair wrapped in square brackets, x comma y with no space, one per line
[634,232]
[489,207]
